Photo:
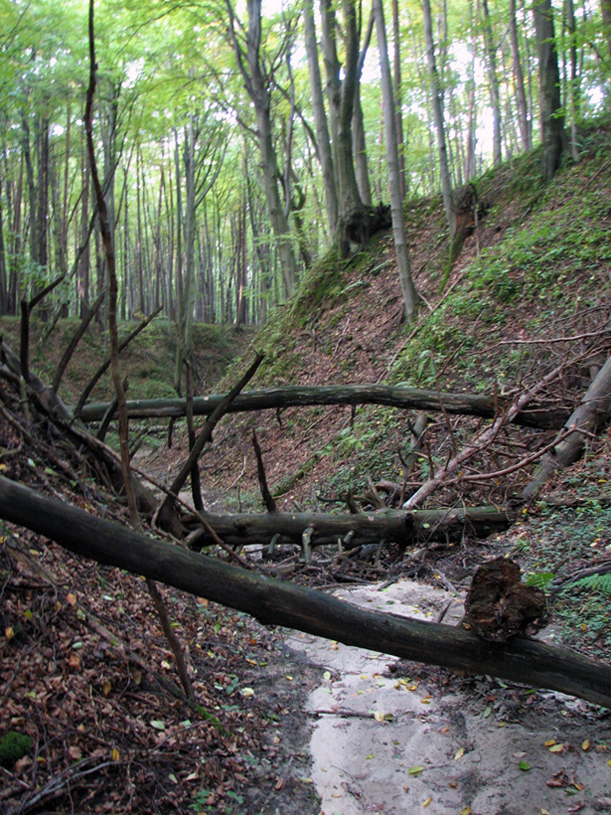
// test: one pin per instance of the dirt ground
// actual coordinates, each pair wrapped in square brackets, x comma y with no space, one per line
[392,737]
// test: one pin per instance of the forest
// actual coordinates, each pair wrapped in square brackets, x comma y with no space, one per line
[296,301]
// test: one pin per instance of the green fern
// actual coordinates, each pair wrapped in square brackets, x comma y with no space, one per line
[598,582]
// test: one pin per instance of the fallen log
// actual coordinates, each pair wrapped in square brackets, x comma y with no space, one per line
[393,526]
[399,397]
[277,603]
[593,412]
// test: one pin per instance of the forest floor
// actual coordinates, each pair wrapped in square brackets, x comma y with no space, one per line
[87,675]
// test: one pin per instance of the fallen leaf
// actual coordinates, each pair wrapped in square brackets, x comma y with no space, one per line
[585,745]
[247,692]
[75,753]
[556,748]
[465,811]
[115,754]
[71,599]
[279,784]
[157,724]
[459,753]
[427,802]
[550,742]
[379,716]
[415,770]
[9,632]
[524,766]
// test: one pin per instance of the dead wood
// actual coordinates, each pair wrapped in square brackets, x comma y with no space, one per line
[204,437]
[592,414]
[480,441]
[393,526]
[498,605]
[399,397]
[72,345]
[106,364]
[278,603]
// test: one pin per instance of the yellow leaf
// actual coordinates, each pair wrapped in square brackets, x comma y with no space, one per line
[585,745]
[427,802]
[550,742]
[106,687]
[465,811]
[459,753]
[378,716]
[115,754]
[556,748]
[247,692]
[9,632]
[71,599]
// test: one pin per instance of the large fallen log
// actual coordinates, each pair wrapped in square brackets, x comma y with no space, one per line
[277,603]
[393,526]
[274,398]
[593,412]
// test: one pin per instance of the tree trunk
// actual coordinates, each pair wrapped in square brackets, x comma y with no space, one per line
[493,82]
[605,7]
[399,397]
[277,603]
[523,117]
[592,413]
[341,94]
[398,87]
[437,104]
[410,298]
[257,83]
[325,153]
[552,117]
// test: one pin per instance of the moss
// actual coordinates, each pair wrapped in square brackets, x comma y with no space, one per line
[13,746]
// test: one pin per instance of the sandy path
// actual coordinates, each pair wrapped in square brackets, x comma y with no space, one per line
[378,721]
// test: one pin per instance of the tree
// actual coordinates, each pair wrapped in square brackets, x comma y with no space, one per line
[341,95]
[437,105]
[410,298]
[257,79]
[552,117]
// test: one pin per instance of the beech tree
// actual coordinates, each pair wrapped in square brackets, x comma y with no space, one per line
[550,107]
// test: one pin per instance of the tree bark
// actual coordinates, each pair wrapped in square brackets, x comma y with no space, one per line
[593,412]
[399,397]
[552,118]
[257,83]
[495,101]
[523,118]
[278,603]
[325,153]
[392,526]
[437,104]
[410,298]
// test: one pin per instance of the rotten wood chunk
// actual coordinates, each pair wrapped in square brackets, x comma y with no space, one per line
[499,606]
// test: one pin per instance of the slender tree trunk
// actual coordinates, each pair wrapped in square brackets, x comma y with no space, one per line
[410,298]
[398,88]
[257,83]
[493,83]
[437,104]
[518,73]
[573,81]
[605,7]
[325,153]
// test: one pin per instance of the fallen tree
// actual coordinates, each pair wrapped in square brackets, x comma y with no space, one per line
[277,603]
[591,414]
[399,397]
[392,526]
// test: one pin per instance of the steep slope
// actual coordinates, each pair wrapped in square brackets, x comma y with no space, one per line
[529,290]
